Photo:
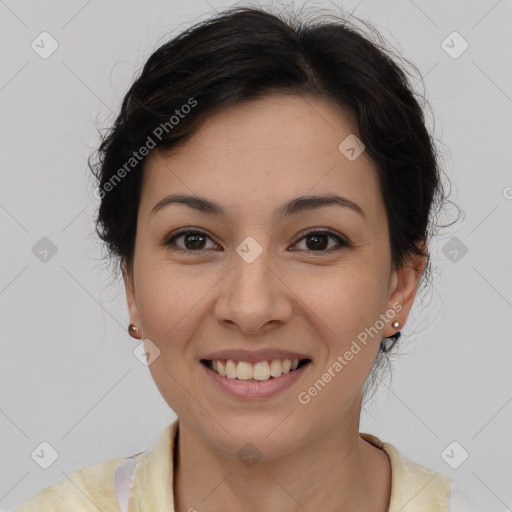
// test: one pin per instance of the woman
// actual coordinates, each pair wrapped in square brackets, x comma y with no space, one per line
[268,190]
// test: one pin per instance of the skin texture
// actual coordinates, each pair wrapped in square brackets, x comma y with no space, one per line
[251,158]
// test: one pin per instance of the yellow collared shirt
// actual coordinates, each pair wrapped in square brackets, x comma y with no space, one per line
[143,483]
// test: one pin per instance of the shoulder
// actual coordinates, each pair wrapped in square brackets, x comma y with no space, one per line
[413,486]
[88,489]
[93,488]
[420,488]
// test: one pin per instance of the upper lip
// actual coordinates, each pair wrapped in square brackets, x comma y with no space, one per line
[254,356]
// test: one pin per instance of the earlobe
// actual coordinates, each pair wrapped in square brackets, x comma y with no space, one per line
[130,294]
[405,281]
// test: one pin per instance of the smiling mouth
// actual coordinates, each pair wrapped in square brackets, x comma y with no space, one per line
[257,372]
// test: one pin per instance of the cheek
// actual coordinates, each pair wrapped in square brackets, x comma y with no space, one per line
[170,299]
[346,313]
[347,306]
[346,300]
[168,302]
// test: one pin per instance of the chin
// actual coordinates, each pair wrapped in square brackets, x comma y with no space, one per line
[264,438]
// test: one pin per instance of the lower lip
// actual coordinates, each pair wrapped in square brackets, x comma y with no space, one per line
[249,389]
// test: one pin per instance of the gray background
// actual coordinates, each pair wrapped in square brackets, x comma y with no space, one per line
[68,375]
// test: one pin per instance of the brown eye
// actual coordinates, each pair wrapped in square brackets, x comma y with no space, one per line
[193,241]
[318,241]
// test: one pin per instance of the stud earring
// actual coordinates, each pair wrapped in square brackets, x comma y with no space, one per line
[133,331]
[395,324]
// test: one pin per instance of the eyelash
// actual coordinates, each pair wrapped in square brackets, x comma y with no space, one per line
[187,231]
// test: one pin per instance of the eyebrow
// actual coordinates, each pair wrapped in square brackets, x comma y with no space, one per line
[295,206]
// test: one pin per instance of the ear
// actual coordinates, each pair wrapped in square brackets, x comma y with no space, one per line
[402,290]
[129,287]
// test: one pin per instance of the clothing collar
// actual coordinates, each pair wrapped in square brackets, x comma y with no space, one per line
[414,488]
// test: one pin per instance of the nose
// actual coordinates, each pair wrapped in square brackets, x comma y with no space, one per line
[254,296]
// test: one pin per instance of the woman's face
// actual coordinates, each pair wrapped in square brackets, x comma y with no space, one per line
[253,286]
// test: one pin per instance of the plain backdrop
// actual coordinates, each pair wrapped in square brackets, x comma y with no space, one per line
[68,375]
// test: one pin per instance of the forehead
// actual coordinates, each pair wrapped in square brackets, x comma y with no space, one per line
[264,152]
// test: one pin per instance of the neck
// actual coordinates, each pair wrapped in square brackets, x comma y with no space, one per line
[337,471]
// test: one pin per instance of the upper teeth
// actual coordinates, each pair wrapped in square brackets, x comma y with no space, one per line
[262,370]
